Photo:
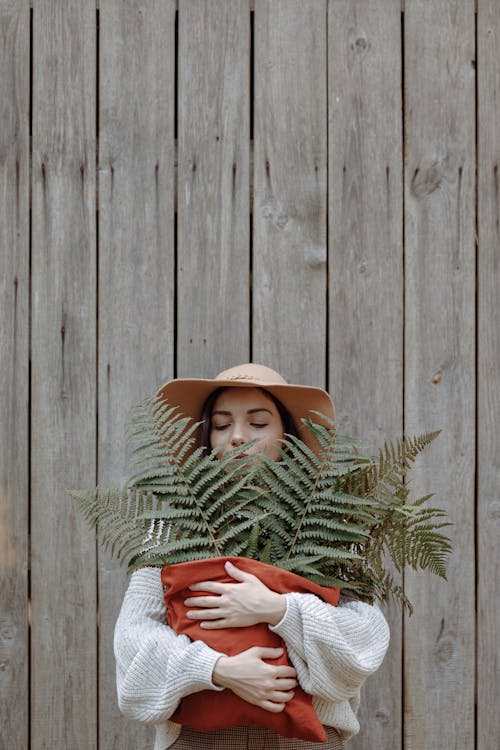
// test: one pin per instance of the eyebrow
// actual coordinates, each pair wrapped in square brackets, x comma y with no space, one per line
[250,411]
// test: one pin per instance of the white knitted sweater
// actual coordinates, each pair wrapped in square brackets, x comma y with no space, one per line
[333,649]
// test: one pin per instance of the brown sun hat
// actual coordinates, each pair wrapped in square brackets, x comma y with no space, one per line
[190,394]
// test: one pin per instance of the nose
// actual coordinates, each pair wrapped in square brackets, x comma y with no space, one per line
[237,437]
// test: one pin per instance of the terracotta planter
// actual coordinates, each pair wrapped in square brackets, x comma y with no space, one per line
[208,709]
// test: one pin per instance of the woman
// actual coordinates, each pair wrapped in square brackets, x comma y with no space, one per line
[332,649]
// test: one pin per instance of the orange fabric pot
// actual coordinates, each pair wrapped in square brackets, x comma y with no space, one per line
[209,710]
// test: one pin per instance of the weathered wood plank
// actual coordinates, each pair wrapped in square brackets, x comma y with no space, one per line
[14,365]
[366,270]
[213,192]
[439,358]
[63,644]
[290,178]
[488,405]
[136,270]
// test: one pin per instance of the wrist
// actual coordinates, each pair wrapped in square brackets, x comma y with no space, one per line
[220,671]
[277,609]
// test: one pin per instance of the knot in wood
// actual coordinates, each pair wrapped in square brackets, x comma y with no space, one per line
[426,181]
[382,716]
[437,378]
[445,649]
[359,43]
[7,630]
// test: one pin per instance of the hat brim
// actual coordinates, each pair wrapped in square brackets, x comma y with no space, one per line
[189,396]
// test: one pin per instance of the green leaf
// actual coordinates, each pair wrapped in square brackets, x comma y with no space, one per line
[332,516]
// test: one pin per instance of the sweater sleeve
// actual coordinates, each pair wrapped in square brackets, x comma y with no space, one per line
[333,649]
[155,667]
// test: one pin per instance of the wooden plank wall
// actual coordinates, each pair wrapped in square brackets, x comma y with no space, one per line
[14,366]
[186,185]
[136,267]
[488,367]
[63,374]
[366,268]
[289,202]
[213,213]
[439,354]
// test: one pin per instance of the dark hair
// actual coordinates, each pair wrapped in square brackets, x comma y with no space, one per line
[203,437]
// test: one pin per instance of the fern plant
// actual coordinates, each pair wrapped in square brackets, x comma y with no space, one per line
[174,507]
[333,516]
[345,514]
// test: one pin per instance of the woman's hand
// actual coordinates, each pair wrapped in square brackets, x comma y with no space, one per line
[235,605]
[261,684]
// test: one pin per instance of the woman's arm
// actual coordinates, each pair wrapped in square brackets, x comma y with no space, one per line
[334,649]
[156,667]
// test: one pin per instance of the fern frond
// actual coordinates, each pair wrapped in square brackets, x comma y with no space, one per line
[331,515]
[117,516]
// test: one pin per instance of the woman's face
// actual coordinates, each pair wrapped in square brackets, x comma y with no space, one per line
[243,414]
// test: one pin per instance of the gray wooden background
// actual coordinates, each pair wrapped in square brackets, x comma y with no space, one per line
[188,185]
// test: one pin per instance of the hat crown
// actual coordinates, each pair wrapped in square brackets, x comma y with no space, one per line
[259,375]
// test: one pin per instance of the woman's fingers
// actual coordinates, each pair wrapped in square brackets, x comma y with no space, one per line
[255,680]
[246,602]
[276,702]
[219,588]
[274,708]
[281,670]
[286,685]
[280,696]
[210,586]
[237,574]
[265,652]
[202,601]
[214,624]
[285,670]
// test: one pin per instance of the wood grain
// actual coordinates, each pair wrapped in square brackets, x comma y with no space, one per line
[63,404]
[366,271]
[488,370]
[14,366]
[136,270]
[440,359]
[213,282]
[289,202]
